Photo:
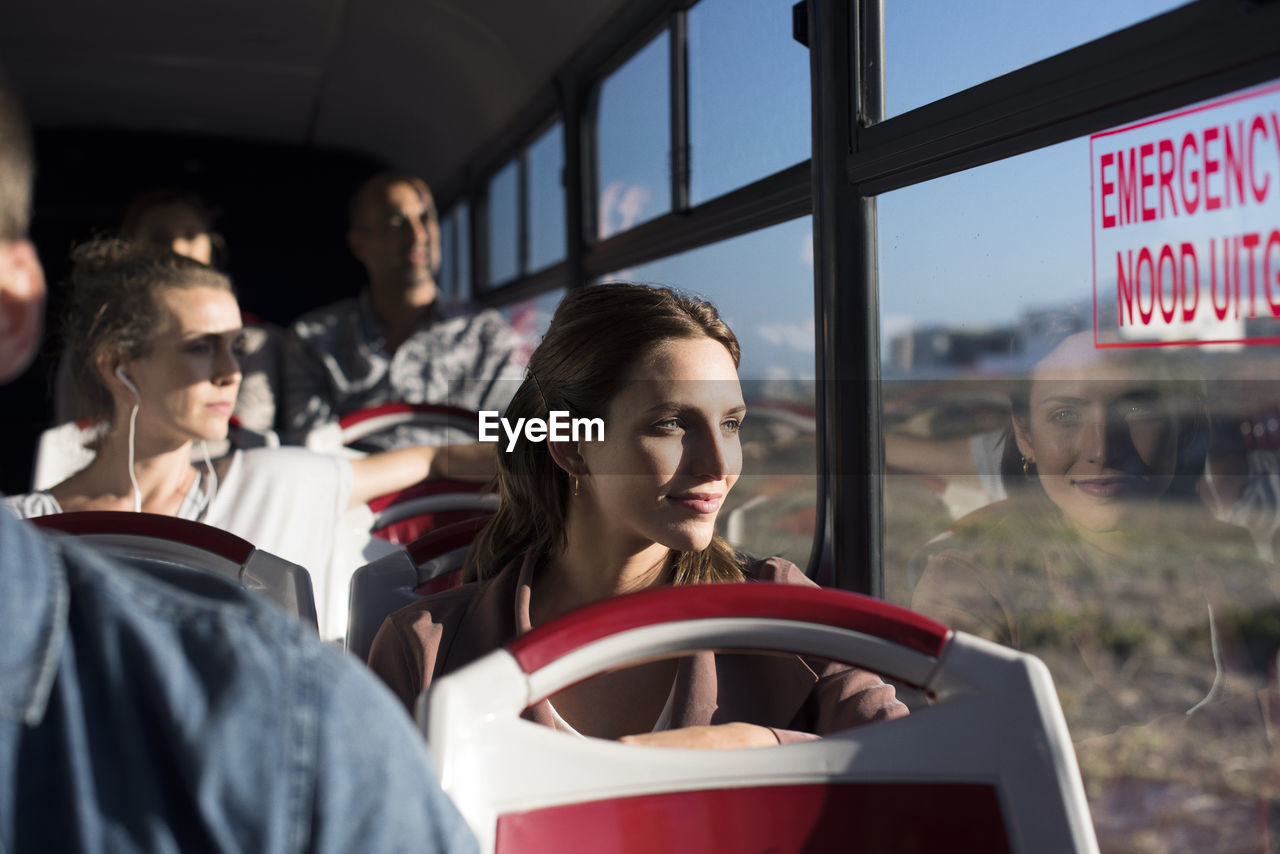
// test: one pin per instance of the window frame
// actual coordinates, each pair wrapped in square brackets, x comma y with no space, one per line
[1191,53]
[1198,51]
[572,97]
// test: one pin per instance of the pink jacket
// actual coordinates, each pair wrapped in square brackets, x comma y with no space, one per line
[798,698]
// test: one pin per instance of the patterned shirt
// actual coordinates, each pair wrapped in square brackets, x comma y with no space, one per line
[337,363]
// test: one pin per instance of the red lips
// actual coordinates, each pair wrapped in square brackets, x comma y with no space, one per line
[699,502]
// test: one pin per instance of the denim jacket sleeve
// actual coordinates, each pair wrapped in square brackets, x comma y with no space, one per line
[170,710]
[375,789]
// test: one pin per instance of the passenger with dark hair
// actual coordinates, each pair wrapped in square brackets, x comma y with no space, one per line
[176,220]
[151,712]
[155,346]
[1157,621]
[581,521]
[399,341]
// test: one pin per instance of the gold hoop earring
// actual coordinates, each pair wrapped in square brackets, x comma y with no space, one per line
[1027,466]
[575,487]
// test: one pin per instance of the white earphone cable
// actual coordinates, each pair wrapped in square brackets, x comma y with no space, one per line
[133,478]
[213,475]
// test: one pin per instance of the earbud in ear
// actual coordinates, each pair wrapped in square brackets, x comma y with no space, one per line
[124,378]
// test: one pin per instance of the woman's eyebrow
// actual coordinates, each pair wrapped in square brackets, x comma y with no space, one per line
[214,333]
[681,406]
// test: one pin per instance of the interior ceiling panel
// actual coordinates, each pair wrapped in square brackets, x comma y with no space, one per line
[233,101]
[286,31]
[422,84]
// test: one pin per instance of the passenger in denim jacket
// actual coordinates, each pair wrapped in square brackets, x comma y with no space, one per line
[177,713]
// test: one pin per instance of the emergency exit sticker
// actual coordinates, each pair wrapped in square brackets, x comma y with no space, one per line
[1186,226]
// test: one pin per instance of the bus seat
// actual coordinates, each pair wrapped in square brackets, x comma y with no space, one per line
[989,767]
[429,564]
[405,516]
[160,544]
[449,424]
[64,450]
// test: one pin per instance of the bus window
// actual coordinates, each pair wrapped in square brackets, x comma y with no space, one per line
[455,242]
[1068,336]
[761,283]
[504,224]
[526,210]
[926,58]
[545,206]
[967,290]
[748,94]
[634,140]
[531,317]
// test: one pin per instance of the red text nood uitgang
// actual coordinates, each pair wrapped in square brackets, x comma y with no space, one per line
[1218,167]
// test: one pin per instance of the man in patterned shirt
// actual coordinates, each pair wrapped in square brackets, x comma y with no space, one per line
[396,341]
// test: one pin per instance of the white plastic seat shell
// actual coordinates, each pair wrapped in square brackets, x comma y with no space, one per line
[997,722]
[151,540]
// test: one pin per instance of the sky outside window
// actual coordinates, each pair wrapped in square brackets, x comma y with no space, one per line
[545,160]
[935,48]
[634,140]
[748,94]
[447,277]
[762,283]
[504,225]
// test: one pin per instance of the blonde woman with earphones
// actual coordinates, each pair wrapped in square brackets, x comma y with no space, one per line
[154,341]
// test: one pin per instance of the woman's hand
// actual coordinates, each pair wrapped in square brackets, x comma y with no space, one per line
[717,737]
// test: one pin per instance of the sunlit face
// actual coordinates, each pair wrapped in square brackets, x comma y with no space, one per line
[397,236]
[176,226]
[671,452]
[1103,440]
[187,384]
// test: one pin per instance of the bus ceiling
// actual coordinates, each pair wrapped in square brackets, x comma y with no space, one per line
[421,85]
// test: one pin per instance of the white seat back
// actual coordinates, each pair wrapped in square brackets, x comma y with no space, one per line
[160,543]
[391,582]
[989,767]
